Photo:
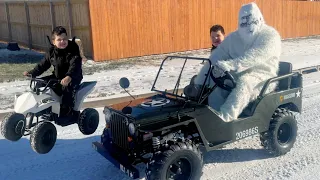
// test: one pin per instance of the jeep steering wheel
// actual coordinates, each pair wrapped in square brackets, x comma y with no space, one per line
[220,81]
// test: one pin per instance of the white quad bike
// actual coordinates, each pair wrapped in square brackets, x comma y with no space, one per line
[44,104]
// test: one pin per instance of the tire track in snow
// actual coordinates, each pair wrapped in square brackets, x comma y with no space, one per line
[303,155]
[298,160]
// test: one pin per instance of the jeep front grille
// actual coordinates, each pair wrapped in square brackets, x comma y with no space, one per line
[119,130]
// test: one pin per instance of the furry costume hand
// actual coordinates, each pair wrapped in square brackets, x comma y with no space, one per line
[217,71]
[224,66]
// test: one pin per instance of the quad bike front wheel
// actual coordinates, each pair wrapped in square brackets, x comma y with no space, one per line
[183,161]
[88,121]
[13,126]
[282,133]
[43,137]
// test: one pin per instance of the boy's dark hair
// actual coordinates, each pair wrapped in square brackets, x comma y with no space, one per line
[58,31]
[216,28]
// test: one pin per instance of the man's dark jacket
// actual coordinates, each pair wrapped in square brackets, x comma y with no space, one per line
[66,62]
[213,48]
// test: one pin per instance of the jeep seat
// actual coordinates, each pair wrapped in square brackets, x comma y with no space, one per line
[283,84]
[284,68]
[191,90]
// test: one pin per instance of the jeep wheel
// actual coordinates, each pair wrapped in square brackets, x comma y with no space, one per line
[183,161]
[43,137]
[282,133]
[88,121]
[13,126]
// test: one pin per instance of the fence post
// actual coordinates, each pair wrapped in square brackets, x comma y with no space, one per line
[8,20]
[52,14]
[26,7]
[70,17]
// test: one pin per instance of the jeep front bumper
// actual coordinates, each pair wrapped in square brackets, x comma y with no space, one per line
[124,167]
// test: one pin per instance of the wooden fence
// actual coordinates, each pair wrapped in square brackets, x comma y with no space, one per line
[113,29]
[29,22]
[125,28]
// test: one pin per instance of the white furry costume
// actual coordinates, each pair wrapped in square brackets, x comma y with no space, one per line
[251,54]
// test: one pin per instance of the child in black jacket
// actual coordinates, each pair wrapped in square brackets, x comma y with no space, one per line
[217,35]
[65,57]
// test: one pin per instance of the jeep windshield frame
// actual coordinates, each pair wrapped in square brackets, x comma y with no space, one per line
[175,90]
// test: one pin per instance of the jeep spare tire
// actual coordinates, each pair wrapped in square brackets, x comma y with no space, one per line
[13,126]
[43,137]
[183,161]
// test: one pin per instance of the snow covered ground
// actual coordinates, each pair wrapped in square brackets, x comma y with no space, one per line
[73,158]
[300,52]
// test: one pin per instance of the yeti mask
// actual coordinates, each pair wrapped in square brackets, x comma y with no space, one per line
[250,20]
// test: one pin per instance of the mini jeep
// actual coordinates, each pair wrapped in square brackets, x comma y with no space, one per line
[34,112]
[166,130]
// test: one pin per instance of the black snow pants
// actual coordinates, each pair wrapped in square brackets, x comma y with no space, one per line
[67,93]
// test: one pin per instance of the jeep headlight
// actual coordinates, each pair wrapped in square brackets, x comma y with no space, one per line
[107,114]
[132,129]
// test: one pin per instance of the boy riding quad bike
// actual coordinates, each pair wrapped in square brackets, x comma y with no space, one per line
[64,55]
[56,98]
[166,130]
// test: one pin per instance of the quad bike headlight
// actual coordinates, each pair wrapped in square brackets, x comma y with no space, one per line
[15,98]
[132,129]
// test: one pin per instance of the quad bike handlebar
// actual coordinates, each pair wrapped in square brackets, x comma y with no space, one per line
[37,83]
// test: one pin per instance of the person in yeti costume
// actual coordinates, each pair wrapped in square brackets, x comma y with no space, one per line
[251,54]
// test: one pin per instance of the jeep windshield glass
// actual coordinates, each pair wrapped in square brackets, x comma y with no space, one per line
[175,74]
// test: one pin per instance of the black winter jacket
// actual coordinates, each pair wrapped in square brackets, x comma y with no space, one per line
[213,48]
[66,62]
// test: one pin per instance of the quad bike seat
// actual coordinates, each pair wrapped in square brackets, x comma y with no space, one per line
[86,84]
[283,84]
[84,89]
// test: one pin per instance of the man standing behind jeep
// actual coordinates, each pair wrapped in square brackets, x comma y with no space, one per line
[217,35]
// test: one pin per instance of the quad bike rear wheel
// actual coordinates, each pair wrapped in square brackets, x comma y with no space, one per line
[183,161]
[88,121]
[282,133]
[43,137]
[13,126]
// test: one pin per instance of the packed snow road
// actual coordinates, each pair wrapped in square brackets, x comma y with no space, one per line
[74,158]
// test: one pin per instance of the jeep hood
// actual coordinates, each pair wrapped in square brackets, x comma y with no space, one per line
[154,106]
